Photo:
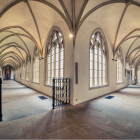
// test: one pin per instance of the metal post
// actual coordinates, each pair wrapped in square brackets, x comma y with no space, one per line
[69,91]
[66,90]
[0,100]
[53,93]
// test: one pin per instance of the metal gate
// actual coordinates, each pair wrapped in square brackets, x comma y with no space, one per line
[61,92]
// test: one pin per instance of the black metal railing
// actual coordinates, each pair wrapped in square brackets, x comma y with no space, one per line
[61,92]
[0,100]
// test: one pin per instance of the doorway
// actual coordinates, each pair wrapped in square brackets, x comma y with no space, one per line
[128,77]
[8,73]
[138,74]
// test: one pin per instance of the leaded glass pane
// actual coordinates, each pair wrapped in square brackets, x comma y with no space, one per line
[97,60]
[55,57]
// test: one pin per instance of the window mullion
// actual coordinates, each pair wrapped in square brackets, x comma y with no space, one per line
[51,66]
[97,65]
[93,69]
[54,61]
[101,67]
[106,72]
[59,62]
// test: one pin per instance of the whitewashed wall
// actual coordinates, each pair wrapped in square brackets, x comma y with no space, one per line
[81,90]
[68,64]
[79,53]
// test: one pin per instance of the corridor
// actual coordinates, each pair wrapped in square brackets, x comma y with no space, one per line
[20,101]
[27,116]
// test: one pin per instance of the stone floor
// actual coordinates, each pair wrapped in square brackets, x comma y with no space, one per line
[28,117]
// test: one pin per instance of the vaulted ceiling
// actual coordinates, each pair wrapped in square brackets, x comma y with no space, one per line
[26,23]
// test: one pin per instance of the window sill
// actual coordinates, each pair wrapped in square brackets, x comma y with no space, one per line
[95,87]
[119,83]
[48,86]
[21,79]
[35,82]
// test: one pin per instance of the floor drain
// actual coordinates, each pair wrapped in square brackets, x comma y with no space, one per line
[109,97]
[42,97]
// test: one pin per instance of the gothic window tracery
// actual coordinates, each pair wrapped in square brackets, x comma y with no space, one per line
[55,57]
[98,60]
[119,66]
[36,65]
[27,68]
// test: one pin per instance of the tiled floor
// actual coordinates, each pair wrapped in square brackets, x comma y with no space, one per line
[28,117]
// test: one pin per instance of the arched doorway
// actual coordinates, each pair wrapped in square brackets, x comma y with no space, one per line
[8,73]
[138,73]
[128,77]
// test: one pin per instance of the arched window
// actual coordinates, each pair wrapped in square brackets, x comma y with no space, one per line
[119,66]
[138,73]
[128,64]
[133,73]
[22,75]
[16,74]
[36,65]
[27,68]
[20,72]
[98,60]
[55,57]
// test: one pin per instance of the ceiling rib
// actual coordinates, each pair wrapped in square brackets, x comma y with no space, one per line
[96,8]
[127,56]
[9,60]
[66,12]
[15,47]
[136,54]
[11,53]
[8,65]
[12,58]
[9,6]
[80,14]
[135,58]
[20,39]
[19,52]
[73,15]
[119,25]
[11,27]
[42,1]
[18,35]
[138,61]
[133,51]
[32,14]
[137,29]
[10,43]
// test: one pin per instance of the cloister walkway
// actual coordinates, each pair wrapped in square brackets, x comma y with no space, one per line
[26,116]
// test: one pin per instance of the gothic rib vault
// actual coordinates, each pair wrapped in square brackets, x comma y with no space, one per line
[25,24]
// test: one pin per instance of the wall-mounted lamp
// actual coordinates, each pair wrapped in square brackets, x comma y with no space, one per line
[71,35]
